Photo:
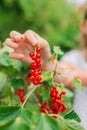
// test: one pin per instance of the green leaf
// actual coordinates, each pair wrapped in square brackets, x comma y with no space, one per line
[4,59]
[32,107]
[17,83]
[73,125]
[60,87]
[47,76]
[45,95]
[72,115]
[17,124]
[77,84]
[69,93]
[48,123]
[57,50]
[16,64]
[3,81]
[26,117]
[8,114]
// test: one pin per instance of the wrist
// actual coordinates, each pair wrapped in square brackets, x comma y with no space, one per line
[49,65]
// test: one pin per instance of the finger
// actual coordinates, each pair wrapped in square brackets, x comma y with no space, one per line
[29,35]
[11,44]
[16,36]
[14,55]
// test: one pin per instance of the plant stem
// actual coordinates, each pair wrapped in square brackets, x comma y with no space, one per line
[28,95]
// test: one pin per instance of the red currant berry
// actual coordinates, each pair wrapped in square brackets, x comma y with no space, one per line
[38,55]
[54,94]
[63,93]
[37,60]
[21,89]
[32,72]
[32,78]
[35,82]
[39,78]
[36,73]
[54,88]
[33,65]
[39,72]
[18,92]
[37,49]
[33,57]
[39,65]
[62,108]
[22,99]
[31,54]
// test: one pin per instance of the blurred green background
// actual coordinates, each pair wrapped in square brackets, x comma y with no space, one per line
[55,20]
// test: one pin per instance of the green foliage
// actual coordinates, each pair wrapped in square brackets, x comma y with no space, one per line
[57,50]
[35,121]
[47,75]
[57,21]
[72,115]
[7,114]
[3,81]
[4,59]
[77,84]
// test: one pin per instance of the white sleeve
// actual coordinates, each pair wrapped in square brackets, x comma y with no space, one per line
[71,56]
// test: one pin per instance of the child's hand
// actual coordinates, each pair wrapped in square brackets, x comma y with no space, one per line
[25,43]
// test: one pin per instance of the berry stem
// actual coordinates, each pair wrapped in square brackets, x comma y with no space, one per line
[28,95]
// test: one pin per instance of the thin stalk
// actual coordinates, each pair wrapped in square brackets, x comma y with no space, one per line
[28,95]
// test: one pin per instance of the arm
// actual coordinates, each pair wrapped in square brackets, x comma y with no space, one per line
[67,72]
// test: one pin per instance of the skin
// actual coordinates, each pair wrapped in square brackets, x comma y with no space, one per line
[25,43]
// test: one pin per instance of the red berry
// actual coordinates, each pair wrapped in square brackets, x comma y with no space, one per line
[37,60]
[31,54]
[62,108]
[34,65]
[35,82]
[39,65]
[21,89]
[32,72]
[38,55]
[39,78]
[63,93]
[39,72]
[44,103]
[33,57]
[22,99]
[36,73]
[32,78]
[37,49]
[18,92]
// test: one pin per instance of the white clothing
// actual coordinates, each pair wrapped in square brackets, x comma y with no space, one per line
[80,100]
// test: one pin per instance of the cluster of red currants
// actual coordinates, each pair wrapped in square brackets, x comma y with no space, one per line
[34,75]
[57,104]
[19,93]
[56,100]
[45,108]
